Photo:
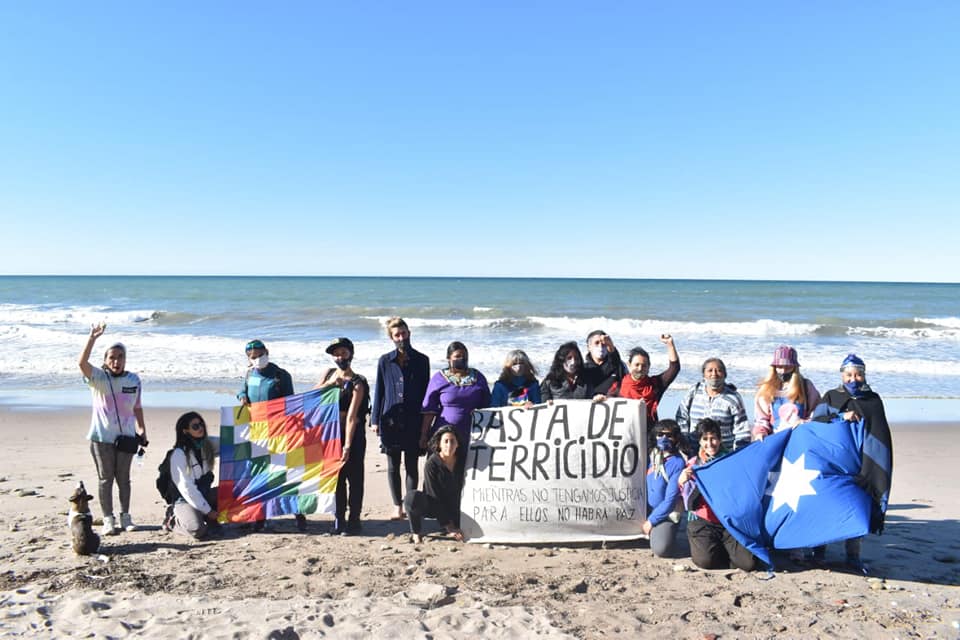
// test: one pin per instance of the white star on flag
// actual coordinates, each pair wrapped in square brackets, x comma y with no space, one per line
[792,481]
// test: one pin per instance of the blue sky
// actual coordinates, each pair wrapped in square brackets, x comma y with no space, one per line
[783,140]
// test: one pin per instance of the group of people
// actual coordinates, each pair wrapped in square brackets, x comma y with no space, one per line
[784,400]
[414,413]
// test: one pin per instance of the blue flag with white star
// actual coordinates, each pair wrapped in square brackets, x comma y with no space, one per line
[796,488]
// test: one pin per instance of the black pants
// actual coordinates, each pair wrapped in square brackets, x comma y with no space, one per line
[411,460]
[712,547]
[351,474]
[420,505]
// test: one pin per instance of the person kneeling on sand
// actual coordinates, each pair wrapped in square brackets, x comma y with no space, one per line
[711,545]
[663,489]
[442,486]
[191,470]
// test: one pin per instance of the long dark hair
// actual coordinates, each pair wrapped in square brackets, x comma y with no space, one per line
[185,440]
[434,445]
[557,374]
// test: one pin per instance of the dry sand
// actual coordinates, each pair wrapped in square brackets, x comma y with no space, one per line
[286,584]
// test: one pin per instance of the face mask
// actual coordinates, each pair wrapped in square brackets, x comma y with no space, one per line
[570,366]
[785,376]
[261,362]
[715,383]
[599,352]
[853,387]
[459,364]
[343,364]
[665,444]
[517,369]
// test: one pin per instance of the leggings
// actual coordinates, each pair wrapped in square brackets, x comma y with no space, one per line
[411,460]
[112,464]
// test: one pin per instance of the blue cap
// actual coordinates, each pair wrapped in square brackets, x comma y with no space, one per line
[853,361]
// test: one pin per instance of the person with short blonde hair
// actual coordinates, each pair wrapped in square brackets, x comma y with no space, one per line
[517,385]
[402,377]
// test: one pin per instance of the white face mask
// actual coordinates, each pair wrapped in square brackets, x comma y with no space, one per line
[599,352]
[715,383]
[261,362]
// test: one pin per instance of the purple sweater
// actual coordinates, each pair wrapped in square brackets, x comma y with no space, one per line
[454,402]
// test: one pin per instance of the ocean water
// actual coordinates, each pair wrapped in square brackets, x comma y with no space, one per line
[186,334]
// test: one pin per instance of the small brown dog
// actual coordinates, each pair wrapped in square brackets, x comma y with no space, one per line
[80,521]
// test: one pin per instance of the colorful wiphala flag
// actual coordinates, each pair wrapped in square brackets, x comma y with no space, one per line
[279,457]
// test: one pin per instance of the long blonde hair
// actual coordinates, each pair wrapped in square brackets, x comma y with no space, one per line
[796,390]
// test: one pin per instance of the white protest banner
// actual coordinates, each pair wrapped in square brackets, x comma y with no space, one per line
[570,471]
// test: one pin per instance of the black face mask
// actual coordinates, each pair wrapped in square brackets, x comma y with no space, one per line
[460,364]
[785,376]
[343,364]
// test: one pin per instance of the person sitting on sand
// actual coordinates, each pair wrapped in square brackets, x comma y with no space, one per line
[191,469]
[518,385]
[663,489]
[354,407]
[711,545]
[640,385]
[565,381]
[854,399]
[715,398]
[442,487]
[402,377]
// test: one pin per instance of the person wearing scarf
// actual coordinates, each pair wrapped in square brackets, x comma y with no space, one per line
[854,399]
[663,490]
[191,468]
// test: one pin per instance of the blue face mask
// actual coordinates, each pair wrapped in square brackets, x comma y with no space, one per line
[853,387]
[665,444]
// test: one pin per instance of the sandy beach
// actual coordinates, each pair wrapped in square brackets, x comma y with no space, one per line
[286,584]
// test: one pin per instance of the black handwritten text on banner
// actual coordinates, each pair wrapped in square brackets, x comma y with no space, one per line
[571,471]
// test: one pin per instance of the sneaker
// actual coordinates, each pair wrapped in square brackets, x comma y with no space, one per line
[110,527]
[301,522]
[126,522]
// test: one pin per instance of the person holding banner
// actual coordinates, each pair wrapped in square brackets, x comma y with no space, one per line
[518,385]
[442,486]
[663,490]
[784,398]
[565,381]
[354,407]
[265,381]
[640,385]
[451,397]
[854,399]
[711,545]
[402,377]
[191,461]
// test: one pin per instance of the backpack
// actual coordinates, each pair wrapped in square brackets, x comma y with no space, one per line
[165,484]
